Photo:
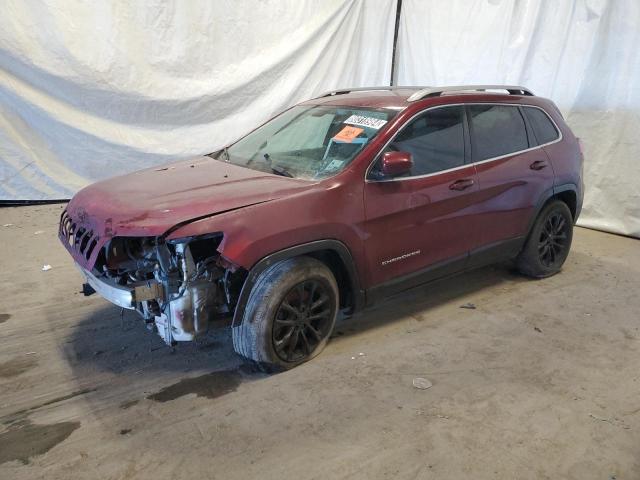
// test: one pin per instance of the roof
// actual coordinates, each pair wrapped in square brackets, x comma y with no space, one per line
[401,96]
[374,97]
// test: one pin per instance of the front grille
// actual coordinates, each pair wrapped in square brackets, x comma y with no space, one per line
[78,238]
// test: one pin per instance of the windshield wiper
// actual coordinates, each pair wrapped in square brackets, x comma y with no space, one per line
[277,169]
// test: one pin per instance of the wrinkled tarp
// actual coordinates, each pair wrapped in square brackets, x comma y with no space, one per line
[92,89]
[583,54]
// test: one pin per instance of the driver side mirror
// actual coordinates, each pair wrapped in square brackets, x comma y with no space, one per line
[396,163]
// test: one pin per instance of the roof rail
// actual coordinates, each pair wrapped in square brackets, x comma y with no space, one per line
[342,91]
[437,91]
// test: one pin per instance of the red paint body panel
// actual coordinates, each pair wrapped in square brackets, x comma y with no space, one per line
[565,156]
[416,215]
[509,192]
[326,210]
[151,201]
[260,213]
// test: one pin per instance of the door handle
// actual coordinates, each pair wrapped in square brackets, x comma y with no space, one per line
[538,165]
[461,184]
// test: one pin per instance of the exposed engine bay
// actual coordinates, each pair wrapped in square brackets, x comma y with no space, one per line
[179,287]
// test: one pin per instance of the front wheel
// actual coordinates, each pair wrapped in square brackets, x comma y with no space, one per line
[290,314]
[549,242]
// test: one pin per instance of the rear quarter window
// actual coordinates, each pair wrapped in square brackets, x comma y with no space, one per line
[497,130]
[543,128]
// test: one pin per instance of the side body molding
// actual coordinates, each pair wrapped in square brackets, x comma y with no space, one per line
[306,248]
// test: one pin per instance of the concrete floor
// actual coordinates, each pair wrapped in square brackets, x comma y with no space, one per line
[541,380]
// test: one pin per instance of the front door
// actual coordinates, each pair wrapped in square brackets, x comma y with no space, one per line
[420,220]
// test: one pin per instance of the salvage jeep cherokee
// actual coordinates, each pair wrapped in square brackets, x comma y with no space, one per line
[330,206]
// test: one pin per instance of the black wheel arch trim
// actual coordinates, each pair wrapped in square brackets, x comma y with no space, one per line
[318,245]
[544,198]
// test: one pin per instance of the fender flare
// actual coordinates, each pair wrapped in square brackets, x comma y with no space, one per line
[544,198]
[295,251]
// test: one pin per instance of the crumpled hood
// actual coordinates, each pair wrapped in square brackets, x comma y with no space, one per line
[149,202]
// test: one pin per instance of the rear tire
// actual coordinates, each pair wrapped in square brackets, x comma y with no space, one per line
[289,316]
[549,241]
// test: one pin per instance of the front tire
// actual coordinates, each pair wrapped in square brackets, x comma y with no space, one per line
[549,241]
[290,314]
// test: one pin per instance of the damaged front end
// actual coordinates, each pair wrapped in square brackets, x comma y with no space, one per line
[178,286]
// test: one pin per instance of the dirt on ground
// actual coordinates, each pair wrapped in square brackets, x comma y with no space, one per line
[530,380]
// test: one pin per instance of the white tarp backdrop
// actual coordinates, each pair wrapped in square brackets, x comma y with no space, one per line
[583,54]
[91,89]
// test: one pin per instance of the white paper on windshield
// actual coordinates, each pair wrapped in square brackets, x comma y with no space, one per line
[363,121]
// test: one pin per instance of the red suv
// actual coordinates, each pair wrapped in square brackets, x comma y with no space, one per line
[332,205]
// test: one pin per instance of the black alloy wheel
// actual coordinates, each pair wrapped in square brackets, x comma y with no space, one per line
[548,243]
[290,314]
[303,320]
[552,244]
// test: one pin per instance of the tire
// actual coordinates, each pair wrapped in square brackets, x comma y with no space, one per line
[549,242]
[290,314]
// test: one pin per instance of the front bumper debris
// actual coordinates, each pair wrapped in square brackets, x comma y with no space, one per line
[177,287]
[124,296]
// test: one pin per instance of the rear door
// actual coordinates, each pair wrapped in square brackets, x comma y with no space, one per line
[513,173]
[421,219]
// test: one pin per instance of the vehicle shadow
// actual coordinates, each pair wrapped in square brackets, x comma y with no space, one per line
[117,341]
[121,363]
[104,341]
[418,301]
[129,365]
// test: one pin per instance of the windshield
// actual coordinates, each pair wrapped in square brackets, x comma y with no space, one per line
[308,141]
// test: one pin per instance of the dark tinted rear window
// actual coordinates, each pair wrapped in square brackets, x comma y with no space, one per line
[497,130]
[543,128]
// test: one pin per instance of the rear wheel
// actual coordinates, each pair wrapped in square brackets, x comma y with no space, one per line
[290,314]
[549,242]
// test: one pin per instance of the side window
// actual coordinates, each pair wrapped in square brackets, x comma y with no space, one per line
[497,130]
[435,140]
[543,128]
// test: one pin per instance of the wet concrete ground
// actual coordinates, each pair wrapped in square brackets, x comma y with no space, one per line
[540,380]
